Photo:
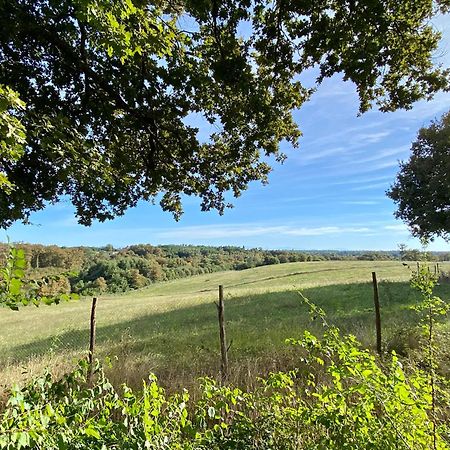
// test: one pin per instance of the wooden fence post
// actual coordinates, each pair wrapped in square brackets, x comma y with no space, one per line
[223,339]
[376,302]
[92,341]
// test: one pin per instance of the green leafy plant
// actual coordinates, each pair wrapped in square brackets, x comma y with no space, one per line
[356,401]
[432,309]
[16,290]
[339,397]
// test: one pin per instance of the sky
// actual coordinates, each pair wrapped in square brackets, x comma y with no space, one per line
[328,195]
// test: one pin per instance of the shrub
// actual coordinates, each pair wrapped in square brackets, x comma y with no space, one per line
[341,398]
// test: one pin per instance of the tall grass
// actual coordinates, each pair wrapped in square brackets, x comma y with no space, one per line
[171,328]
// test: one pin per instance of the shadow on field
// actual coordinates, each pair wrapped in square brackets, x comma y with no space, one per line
[256,324]
[286,275]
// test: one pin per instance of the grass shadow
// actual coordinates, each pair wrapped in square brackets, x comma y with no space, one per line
[255,323]
[182,344]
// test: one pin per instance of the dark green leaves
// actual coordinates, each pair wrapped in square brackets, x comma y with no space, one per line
[110,88]
[422,187]
[12,133]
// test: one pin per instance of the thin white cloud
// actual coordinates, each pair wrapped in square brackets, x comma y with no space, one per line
[308,156]
[398,228]
[348,170]
[346,134]
[425,110]
[249,230]
[361,202]
[369,138]
[332,89]
[67,221]
[312,152]
[219,231]
[62,205]
[303,198]
[320,231]
[375,167]
[368,187]
[363,180]
[385,154]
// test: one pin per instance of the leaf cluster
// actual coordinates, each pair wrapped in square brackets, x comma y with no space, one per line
[16,290]
[12,132]
[112,89]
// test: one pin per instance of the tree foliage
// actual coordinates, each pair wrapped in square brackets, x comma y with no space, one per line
[111,87]
[97,270]
[12,133]
[93,270]
[422,187]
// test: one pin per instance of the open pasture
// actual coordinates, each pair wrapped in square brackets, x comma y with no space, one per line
[171,328]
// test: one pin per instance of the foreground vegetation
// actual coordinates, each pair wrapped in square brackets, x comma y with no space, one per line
[337,397]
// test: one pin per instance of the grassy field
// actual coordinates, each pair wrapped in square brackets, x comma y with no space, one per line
[171,328]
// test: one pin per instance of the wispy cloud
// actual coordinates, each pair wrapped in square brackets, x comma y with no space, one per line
[360,202]
[62,205]
[354,135]
[218,231]
[369,138]
[385,154]
[366,180]
[315,151]
[376,161]
[320,231]
[424,110]
[248,230]
[370,168]
[65,222]
[398,228]
[371,186]
[304,198]
[309,156]
[331,89]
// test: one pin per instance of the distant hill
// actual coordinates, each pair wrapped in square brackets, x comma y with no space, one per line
[95,270]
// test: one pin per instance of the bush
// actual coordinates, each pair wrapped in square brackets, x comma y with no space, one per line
[358,404]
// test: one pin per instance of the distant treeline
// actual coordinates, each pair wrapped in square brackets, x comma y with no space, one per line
[96,270]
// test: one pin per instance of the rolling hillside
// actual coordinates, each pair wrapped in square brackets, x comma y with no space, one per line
[171,328]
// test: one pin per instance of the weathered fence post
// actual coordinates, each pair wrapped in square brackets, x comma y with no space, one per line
[92,341]
[223,339]
[376,302]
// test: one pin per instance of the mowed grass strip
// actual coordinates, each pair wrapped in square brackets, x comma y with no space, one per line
[171,328]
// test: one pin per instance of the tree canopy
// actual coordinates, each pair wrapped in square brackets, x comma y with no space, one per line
[422,186]
[110,87]
[12,132]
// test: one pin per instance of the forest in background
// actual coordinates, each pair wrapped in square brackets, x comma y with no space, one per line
[99,270]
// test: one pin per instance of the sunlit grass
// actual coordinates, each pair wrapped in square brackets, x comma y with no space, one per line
[171,328]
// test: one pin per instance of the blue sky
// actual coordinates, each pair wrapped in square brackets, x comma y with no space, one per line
[329,194]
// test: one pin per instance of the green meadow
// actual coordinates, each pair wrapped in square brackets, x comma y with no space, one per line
[171,328]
